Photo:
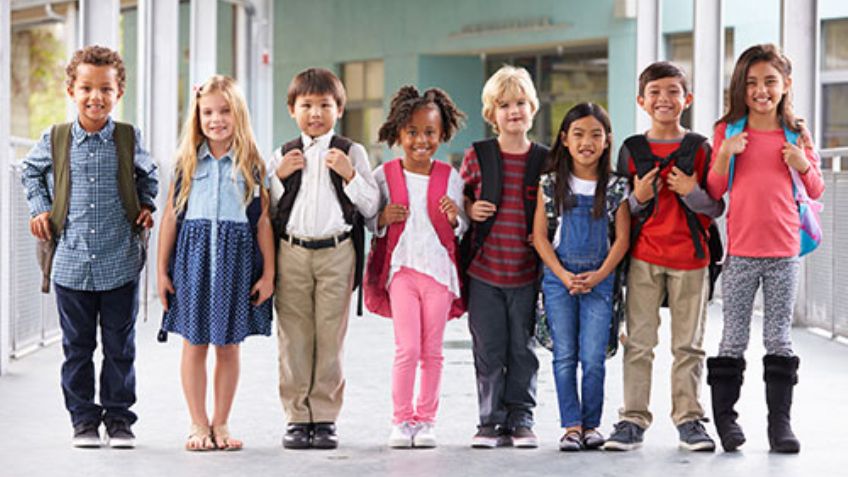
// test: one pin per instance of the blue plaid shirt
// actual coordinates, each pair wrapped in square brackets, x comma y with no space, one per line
[97,250]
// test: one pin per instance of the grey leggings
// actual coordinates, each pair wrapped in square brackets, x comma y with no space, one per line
[740,279]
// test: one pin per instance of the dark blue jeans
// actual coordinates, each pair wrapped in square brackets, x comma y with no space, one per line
[79,314]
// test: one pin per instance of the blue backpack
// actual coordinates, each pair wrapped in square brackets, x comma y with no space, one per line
[808,209]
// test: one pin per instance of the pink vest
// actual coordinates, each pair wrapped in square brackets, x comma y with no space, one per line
[377,268]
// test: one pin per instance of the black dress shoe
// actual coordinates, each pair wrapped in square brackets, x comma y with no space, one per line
[298,436]
[325,436]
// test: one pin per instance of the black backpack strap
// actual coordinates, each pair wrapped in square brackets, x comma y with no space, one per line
[684,156]
[491,171]
[354,218]
[640,150]
[535,162]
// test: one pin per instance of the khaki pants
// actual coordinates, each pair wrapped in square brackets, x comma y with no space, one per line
[312,301]
[687,291]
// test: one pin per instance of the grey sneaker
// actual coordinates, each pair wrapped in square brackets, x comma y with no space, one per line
[486,438]
[523,437]
[592,439]
[626,436]
[87,435]
[119,435]
[694,437]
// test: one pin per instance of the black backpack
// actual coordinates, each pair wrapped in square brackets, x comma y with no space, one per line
[684,158]
[491,169]
[349,210]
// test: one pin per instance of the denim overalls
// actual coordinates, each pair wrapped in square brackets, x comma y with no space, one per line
[580,324]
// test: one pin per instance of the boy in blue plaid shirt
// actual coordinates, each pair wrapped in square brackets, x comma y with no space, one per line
[99,253]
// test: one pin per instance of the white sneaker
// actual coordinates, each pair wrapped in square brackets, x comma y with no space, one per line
[402,435]
[426,435]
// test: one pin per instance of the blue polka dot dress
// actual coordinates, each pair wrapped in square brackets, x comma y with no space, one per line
[216,261]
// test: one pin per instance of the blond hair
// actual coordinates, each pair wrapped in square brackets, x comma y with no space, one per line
[246,158]
[507,83]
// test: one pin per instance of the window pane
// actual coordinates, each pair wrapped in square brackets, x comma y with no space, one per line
[38,75]
[834,105]
[835,45]
[354,77]
[374,80]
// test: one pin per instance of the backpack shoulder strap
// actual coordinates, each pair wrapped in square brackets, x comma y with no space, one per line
[393,171]
[643,158]
[547,182]
[732,129]
[491,169]
[124,136]
[686,152]
[342,143]
[60,147]
[296,143]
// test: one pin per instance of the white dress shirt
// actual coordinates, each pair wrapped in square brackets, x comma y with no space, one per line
[316,212]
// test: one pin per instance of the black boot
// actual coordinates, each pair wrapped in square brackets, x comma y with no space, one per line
[724,375]
[781,374]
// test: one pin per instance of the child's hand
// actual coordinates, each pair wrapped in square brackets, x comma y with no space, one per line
[482,210]
[735,145]
[145,217]
[589,280]
[643,187]
[449,208]
[39,226]
[262,290]
[164,286]
[681,183]
[391,214]
[339,162]
[293,161]
[795,158]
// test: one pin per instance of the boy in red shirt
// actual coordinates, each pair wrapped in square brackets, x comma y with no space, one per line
[669,259]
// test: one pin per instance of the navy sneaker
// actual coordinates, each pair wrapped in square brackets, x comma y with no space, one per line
[120,435]
[87,435]
[626,436]
[694,437]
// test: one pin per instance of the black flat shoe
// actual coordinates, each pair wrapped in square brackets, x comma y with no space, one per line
[298,436]
[325,436]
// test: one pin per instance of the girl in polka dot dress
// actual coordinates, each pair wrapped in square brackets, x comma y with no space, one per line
[216,253]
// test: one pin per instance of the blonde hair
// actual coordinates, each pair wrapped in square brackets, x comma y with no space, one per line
[507,83]
[246,158]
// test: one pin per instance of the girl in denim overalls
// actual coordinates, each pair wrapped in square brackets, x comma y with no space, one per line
[579,265]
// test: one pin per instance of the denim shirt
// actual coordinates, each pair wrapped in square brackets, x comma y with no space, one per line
[217,194]
[97,250]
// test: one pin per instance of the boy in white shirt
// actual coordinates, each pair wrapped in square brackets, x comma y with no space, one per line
[327,190]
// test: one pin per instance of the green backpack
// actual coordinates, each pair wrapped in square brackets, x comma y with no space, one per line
[60,143]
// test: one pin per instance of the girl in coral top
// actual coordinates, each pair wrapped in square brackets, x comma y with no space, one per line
[758,146]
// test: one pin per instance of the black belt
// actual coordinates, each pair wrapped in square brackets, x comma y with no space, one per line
[315,244]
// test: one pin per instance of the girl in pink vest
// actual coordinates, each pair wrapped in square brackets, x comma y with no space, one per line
[412,274]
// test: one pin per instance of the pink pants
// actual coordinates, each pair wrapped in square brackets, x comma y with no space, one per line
[420,307]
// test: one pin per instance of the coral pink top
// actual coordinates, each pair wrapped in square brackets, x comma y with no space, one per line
[762,217]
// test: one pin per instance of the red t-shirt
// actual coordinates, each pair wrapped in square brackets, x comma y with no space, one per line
[506,259]
[665,239]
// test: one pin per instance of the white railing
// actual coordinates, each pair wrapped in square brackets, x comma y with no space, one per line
[825,293]
[35,321]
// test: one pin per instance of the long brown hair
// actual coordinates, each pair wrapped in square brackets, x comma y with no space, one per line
[772,55]
[561,163]
[246,155]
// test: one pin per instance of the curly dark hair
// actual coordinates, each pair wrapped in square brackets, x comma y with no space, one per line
[98,56]
[407,100]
